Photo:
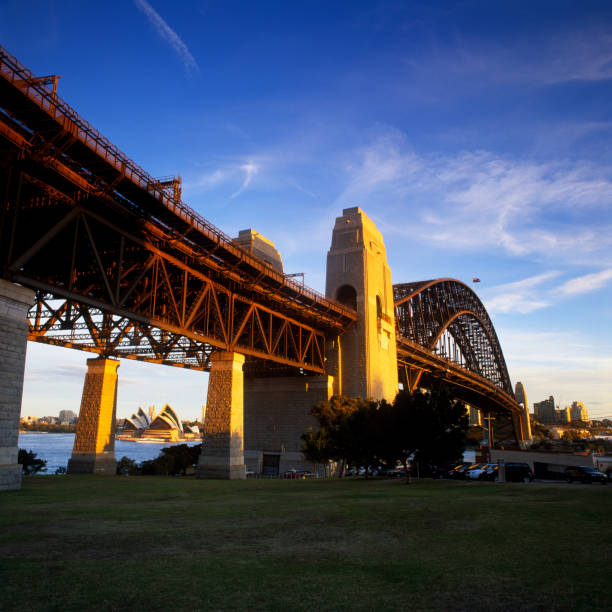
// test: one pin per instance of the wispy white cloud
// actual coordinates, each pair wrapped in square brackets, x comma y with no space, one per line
[582,54]
[522,296]
[250,170]
[386,165]
[208,180]
[169,35]
[478,201]
[586,283]
[228,173]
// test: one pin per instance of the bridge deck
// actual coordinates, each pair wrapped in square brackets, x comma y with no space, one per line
[53,130]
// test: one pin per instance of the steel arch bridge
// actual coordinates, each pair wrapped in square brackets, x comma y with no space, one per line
[122,267]
[445,333]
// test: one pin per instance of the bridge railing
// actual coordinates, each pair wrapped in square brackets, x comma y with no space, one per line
[17,74]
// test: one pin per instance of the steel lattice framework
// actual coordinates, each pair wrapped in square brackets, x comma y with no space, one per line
[445,333]
[121,266]
[425,310]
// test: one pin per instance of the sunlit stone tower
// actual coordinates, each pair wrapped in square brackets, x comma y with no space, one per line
[521,397]
[363,361]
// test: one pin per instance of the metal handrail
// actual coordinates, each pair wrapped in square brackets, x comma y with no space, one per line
[17,74]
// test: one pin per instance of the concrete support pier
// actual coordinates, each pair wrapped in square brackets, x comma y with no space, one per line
[94,443]
[276,414]
[15,302]
[223,449]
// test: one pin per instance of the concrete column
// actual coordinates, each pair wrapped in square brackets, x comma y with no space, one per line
[14,304]
[222,449]
[94,443]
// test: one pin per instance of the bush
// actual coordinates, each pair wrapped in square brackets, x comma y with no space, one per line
[172,461]
[127,467]
[30,464]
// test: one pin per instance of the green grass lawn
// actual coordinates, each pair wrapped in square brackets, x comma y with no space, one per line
[160,543]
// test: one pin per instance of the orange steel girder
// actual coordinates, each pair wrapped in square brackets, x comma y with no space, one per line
[125,266]
[110,273]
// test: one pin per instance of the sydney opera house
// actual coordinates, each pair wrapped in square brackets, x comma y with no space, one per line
[163,427]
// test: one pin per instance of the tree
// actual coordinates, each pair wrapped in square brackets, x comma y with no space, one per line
[172,461]
[336,439]
[127,467]
[30,464]
[429,427]
[180,457]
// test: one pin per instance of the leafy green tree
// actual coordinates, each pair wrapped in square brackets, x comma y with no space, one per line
[317,448]
[345,433]
[172,461]
[429,427]
[127,467]
[365,431]
[30,464]
[180,457]
[329,443]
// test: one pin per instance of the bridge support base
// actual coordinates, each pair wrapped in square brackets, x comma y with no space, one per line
[14,304]
[276,414]
[94,443]
[222,449]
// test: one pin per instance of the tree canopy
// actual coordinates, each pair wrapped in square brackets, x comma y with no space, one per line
[428,427]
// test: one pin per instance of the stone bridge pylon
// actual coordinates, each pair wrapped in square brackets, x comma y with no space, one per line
[363,360]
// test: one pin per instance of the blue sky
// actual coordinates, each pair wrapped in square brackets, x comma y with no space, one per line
[477,135]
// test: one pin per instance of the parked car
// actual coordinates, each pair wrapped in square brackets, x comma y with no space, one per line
[518,472]
[474,472]
[490,472]
[458,471]
[299,474]
[585,474]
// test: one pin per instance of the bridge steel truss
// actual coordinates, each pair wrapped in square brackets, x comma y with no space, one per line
[121,266]
[428,311]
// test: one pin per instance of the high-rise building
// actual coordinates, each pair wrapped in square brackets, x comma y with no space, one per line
[578,412]
[474,414]
[544,411]
[66,417]
[563,415]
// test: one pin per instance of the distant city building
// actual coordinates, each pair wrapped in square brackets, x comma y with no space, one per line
[520,394]
[66,417]
[475,419]
[563,415]
[578,412]
[544,411]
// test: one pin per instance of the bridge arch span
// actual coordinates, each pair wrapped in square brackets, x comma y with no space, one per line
[426,310]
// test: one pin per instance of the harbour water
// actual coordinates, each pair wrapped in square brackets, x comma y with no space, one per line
[56,449]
